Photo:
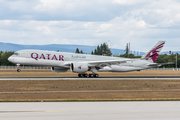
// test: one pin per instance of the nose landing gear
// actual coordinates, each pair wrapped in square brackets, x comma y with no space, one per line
[18,69]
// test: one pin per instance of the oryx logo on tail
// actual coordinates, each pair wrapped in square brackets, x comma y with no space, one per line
[154,51]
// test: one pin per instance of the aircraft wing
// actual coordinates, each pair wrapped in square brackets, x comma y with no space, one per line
[104,63]
[159,64]
[67,65]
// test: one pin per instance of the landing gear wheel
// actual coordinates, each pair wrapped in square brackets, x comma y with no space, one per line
[80,75]
[18,70]
[85,75]
[96,75]
[91,75]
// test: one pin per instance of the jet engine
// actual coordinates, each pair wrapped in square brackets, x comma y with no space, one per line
[59,69]
[79,67]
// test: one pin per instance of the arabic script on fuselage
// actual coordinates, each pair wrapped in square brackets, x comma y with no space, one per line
[78,56]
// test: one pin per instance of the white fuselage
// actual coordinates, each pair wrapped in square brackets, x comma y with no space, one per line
[60,59]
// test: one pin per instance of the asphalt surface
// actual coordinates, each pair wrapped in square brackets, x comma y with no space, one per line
[100,78]
[139,110]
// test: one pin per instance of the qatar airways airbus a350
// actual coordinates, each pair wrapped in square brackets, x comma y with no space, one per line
[81,63]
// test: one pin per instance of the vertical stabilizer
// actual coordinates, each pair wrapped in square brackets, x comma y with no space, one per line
[154,51]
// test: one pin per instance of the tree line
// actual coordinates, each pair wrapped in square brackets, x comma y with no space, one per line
[77,51]
[100,50]
[4,58]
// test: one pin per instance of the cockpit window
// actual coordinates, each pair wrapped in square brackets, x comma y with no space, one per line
[16,54]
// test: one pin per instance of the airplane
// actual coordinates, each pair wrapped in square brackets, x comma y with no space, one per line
[81,63]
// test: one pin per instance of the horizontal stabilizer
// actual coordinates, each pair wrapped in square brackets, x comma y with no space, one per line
[159,64]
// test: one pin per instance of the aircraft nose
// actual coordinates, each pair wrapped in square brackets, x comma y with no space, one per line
[11,59]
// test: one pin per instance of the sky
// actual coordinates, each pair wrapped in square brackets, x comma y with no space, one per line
[91,22]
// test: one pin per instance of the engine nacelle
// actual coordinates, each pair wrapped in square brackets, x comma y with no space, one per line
[79,67]
[59,69]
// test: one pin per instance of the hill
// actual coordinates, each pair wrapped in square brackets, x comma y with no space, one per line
[64,48]
[55,47]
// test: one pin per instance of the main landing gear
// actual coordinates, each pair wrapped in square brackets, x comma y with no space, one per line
[90,75]
[86,75]
[83,75]
[18,69]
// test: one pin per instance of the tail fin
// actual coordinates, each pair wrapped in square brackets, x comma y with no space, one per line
[154,51]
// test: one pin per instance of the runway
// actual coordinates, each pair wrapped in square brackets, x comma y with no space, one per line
[143,110]
[100,78]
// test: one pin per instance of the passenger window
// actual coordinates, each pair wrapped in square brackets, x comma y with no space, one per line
[16,54]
